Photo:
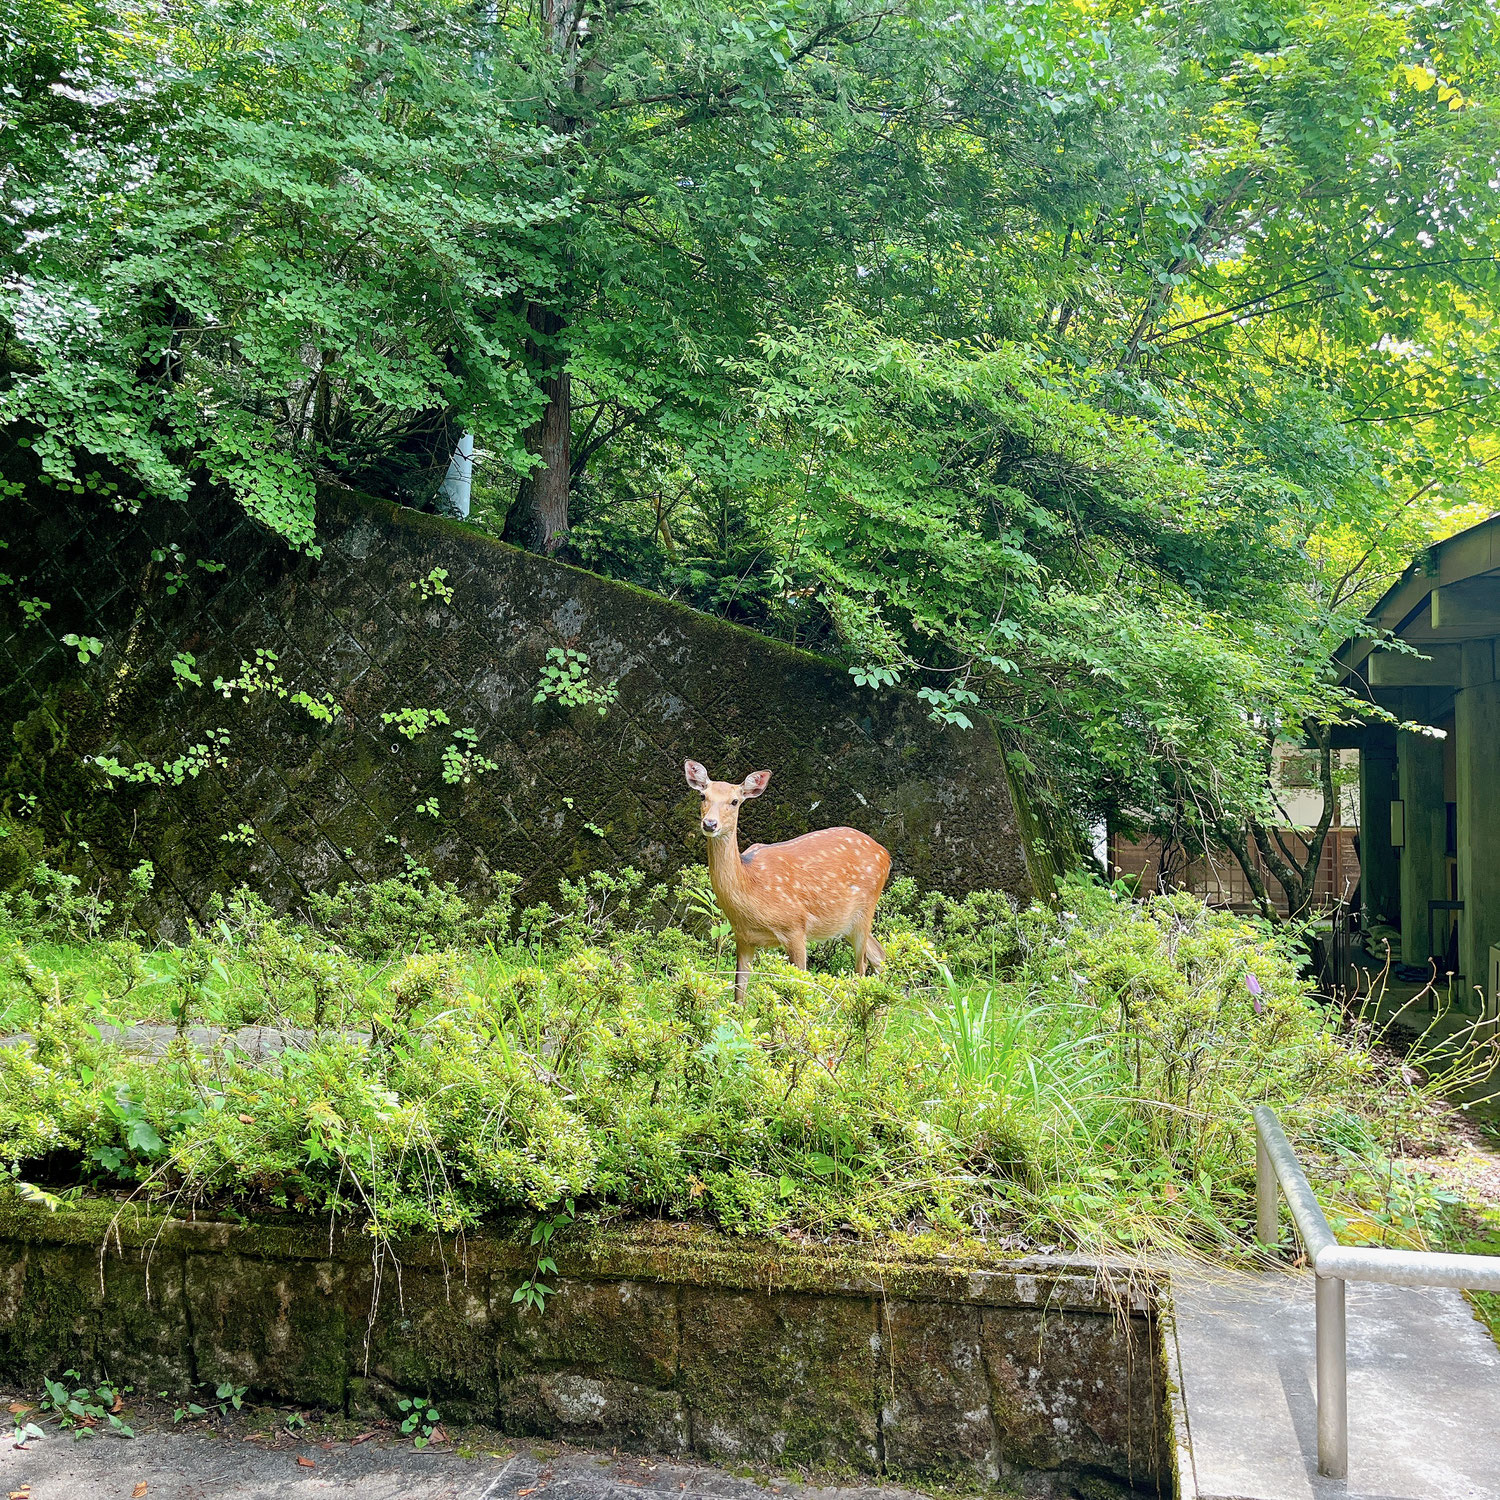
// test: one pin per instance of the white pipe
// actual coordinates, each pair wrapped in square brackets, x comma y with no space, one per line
[458,484]
[1409,1267]
[1280,1157]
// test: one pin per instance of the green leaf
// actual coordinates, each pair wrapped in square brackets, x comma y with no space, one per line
[140,1135]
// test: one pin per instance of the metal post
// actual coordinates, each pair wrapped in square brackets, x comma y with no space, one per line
[1276,1166]
[1333,1380]
[1266,1228]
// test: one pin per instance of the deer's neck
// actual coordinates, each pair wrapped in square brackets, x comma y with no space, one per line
[724,867]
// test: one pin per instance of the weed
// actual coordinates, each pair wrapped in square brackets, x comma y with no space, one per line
[419,1421]
[82,1409]
[87,646]
[184,670]
[533,1292]
[434,586]
[413,723]
[322,709]
[229,1395]
[259,676]
[462,762]
[565,681]
[24,1430]
[212,751]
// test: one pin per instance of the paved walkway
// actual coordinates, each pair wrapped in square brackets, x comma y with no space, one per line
[195,1466]
[1424,1392]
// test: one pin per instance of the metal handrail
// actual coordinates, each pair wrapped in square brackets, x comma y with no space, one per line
[1334,1264]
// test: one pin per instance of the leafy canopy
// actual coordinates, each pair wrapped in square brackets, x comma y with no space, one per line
[1086,367]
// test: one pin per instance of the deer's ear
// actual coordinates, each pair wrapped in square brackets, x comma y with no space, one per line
[755,783]
[697,777]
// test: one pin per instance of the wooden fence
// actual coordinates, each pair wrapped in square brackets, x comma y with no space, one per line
[1220,880]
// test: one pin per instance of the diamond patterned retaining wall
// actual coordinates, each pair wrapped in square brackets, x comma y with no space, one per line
[330,803]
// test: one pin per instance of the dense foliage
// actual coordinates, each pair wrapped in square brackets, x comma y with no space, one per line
[1079,1074]
[1084,366]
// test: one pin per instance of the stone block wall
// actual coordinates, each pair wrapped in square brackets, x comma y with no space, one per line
[290,804]
[1043,1376]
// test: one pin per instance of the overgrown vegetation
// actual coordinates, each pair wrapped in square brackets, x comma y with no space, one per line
[1078,1074]
[1085,367]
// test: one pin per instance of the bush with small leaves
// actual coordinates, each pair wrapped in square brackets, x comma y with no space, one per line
[424,979]
[405,913]
[1089,1091]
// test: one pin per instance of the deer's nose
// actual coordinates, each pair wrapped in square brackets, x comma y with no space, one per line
[710,825]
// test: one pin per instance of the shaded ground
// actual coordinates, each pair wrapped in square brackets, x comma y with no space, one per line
[254,1457]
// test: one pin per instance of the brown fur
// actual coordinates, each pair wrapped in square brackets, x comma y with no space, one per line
[817,887]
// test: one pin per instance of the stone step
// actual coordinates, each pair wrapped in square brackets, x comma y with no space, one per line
[1424,1392]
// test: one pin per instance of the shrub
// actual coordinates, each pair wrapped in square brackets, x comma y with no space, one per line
[48,903]
[976,933]
[1079,1072]
[410,913]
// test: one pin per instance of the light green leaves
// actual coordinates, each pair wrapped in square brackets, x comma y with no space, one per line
[434,586]
[184,665]
[565,681]
[262,675]
[948,704]
[413,723]
[258,676]
[87,646]
[211,751]
[322,709]
[462,762]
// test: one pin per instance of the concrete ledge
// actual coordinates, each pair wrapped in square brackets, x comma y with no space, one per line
[1047,1373]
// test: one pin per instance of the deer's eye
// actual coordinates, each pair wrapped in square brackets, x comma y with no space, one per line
[734,801]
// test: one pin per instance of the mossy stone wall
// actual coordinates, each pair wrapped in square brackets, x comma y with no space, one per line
[1039,1375]
[329,803]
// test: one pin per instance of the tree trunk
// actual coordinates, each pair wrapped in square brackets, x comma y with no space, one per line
[1296,875]
[538,520]
[1299,877]
[1239,846]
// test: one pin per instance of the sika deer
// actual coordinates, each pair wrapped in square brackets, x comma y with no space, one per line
[819,886]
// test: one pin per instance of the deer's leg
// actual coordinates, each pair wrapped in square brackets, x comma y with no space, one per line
[857,940]
[796,949]
[743,958]
[874,952]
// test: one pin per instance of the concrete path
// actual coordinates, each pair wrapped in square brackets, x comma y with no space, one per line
[152,1039]
[198,1466]
[1424,1392]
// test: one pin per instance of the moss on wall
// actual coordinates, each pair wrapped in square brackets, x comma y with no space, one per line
[668,1338]
[325,803]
